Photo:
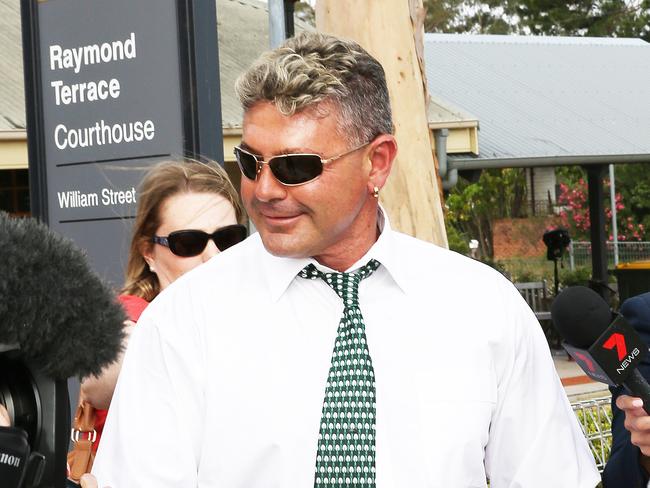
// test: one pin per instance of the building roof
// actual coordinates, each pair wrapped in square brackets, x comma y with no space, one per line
[12,99]
[243,35]
[243,27]
[545,101]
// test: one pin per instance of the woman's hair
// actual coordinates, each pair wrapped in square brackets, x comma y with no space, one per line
[312,68]
[162,181]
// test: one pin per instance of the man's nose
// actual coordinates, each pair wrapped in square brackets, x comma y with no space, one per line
[267,187]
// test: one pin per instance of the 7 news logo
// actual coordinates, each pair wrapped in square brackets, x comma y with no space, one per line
[617,342]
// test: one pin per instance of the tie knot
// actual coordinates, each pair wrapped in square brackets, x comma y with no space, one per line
[346,285]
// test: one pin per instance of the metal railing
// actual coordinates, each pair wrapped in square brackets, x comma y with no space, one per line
[539,208]
[595,418]
[580,252]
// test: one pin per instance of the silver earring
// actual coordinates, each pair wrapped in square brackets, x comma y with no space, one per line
[375,192]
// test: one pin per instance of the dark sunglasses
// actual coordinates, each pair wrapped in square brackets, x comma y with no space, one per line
[188,243]
[288,169]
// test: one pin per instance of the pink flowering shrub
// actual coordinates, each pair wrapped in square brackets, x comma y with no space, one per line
[574,215]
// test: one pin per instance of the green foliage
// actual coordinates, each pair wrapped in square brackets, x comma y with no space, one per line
[570,175]
[457,240]
[600,18]
[633,186]
[633,181]
[580,276]
[521,270]
[596,421]
[473,207]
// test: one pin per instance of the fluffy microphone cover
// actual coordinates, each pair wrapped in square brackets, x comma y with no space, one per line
[64,318]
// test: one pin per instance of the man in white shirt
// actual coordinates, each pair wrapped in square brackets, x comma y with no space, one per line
[251,372]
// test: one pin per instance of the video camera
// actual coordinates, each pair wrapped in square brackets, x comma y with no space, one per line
[57,320]
[33,450]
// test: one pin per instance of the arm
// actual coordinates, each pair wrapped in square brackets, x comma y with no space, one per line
[98,390]
[625,465]
[535,440]
[153,433]
[629,464]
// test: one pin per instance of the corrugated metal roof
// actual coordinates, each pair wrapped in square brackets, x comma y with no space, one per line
[442,114]
[243,36]
[12,113]
[552,98]
[243,27]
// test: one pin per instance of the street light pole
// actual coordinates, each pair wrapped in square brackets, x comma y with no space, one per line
[612,198]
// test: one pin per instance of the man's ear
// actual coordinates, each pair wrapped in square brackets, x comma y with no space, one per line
[383,150]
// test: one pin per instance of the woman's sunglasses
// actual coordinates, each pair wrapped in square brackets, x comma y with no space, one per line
[288,169]
[188,243]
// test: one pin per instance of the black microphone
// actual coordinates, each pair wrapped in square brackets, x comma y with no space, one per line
[60,313]
[603,343]
[57,320]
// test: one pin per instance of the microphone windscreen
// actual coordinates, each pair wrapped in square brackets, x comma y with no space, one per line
[580,315]
[60,313]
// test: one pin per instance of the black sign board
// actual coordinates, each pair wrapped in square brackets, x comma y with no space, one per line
[111,88]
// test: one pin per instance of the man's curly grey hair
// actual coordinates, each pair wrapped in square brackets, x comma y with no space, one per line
[312,68]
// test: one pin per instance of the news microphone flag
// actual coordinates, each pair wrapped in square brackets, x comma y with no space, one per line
[613,356]
[604,345]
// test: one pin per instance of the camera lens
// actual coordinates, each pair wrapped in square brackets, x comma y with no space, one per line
[19,395]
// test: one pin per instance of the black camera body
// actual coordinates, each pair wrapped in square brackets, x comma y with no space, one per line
[39,406]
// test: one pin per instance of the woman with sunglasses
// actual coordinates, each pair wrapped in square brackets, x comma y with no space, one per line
[187,212]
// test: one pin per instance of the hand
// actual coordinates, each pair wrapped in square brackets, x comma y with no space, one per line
[637,421]
[5,421]
[98,390]
[89,481]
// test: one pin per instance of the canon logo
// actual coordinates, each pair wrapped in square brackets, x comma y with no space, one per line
[628,360]
[9,460]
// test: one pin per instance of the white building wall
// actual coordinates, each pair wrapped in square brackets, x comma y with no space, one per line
[544,183]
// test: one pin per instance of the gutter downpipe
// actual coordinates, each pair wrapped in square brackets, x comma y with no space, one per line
[612,203]
[448,176]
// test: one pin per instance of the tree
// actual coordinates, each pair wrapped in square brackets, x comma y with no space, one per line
[633,181]
[630,220]
[595,18]
[473,207]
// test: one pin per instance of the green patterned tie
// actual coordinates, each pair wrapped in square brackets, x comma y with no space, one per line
[346,441]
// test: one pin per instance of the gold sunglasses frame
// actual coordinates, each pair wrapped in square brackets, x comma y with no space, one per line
[260,161]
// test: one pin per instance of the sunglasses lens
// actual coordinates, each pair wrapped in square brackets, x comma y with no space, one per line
[296,169]
[187,243]
[229,236]
[247,163]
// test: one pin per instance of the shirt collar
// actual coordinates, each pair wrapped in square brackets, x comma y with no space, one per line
[281,271]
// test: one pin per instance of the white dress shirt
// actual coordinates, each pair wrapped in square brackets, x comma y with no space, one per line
[223,381]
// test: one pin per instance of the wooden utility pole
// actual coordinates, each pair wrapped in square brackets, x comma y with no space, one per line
[391,30]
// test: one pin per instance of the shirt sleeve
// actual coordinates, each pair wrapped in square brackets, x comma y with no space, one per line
[535,439]
[152,435]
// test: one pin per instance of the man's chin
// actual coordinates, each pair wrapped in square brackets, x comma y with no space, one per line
[284,246]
